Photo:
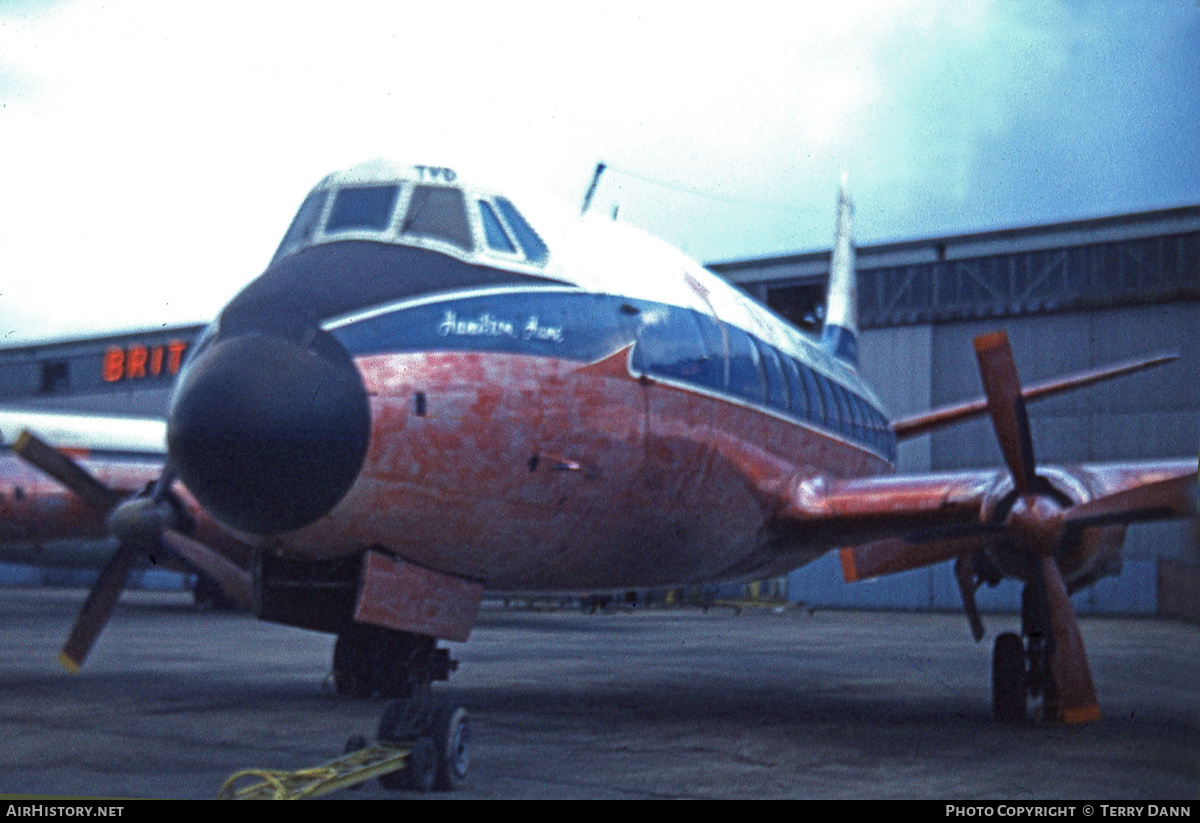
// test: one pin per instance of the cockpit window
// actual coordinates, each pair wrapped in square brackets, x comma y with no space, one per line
[439,213]
[531,244]
[497,237]
[304,224]
[363,207]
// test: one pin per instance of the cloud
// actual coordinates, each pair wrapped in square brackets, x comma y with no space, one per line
[154,152]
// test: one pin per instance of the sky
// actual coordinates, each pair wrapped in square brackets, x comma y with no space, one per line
[152,154]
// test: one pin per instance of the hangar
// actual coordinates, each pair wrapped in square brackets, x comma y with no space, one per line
[1071,295]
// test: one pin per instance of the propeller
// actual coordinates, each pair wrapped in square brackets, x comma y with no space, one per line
[142,524]
[1034,527]
[1035,523]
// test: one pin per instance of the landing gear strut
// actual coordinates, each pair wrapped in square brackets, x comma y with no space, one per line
[1021,668]
[371,661]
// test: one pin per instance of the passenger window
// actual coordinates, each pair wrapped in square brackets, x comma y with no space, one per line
[881,424]
[715,368]
[844,414]
[799,394]
[439,213]
[854,404]
[535,250]
[871,418]
[833,413]
[497,237]
[883,433]
[671,347]
[816,401]
[746,377]
[363,207]
[777,390]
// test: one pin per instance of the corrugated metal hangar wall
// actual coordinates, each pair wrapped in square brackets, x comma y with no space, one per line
[1071,297]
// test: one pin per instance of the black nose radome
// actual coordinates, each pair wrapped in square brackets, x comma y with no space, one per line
[269,433]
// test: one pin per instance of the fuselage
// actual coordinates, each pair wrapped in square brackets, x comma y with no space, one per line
[522,398]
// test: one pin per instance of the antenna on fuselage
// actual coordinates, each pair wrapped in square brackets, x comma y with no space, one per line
[587,198]
[840,336]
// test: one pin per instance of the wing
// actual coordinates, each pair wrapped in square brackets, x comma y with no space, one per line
[1054,528]
[901,522]
[123,455]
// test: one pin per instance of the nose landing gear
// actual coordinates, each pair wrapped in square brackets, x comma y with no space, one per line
[373,661]
[445,729]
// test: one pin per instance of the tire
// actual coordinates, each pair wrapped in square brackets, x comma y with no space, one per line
[451,735]
[1009,685]
[420,769]
[419,772]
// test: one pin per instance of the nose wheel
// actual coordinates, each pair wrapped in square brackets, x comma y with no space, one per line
[443,743]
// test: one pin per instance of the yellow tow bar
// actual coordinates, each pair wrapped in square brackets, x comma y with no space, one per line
[398,766]
[421,745]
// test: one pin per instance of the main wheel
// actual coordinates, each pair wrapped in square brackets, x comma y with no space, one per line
[1009,685]
[452,738]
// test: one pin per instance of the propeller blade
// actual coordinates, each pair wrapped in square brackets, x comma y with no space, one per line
[102,599]
[141,524]
[1173,497]
[235,581]
[162,486]
[65,471]
[1068,662]
[946,415]
[1007,407]
[97,609]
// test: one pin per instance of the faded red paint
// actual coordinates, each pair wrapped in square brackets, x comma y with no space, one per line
[36,509]
[535,473]
[528,473]
[405,597]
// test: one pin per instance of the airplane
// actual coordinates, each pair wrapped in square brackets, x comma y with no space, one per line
[437,389]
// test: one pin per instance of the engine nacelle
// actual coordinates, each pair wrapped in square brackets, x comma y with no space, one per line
[1083,555]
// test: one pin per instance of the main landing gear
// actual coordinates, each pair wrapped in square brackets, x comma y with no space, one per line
[371,661]
[1021,663]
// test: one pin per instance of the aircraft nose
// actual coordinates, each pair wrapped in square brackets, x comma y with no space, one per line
[267,433]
